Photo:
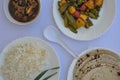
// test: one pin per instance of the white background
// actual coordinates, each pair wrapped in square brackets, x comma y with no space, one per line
[10,32]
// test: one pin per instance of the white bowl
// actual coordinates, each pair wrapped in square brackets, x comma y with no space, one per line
[71,68]
[101,25]
[11,19]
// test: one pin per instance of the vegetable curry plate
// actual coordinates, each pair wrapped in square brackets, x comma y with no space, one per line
[83,19]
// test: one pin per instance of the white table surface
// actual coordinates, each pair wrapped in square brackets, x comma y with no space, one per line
[10,32]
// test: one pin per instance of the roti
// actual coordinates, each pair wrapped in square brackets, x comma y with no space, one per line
[98,64]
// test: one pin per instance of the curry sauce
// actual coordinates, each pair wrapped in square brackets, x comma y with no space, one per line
[24,10]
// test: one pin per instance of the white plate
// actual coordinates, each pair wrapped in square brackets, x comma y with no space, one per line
[11,19]
[53,60]
[100,26]
[71,68]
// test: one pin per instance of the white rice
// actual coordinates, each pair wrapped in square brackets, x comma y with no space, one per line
[24,61]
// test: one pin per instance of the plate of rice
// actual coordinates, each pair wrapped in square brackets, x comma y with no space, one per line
[26,58]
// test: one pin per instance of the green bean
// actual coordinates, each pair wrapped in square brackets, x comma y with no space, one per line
[93,16]
[63,8]
[71,19]
[80,2]
[88,23]
[94,13]
[69,22]
[66,21]
[73,29]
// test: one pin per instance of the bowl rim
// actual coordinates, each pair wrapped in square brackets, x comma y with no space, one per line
[11,19]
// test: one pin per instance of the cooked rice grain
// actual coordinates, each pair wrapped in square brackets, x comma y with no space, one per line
[24,61]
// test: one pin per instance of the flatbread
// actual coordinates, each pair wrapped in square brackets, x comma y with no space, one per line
[97,65]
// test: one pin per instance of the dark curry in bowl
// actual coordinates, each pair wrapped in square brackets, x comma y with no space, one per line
[24,10]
